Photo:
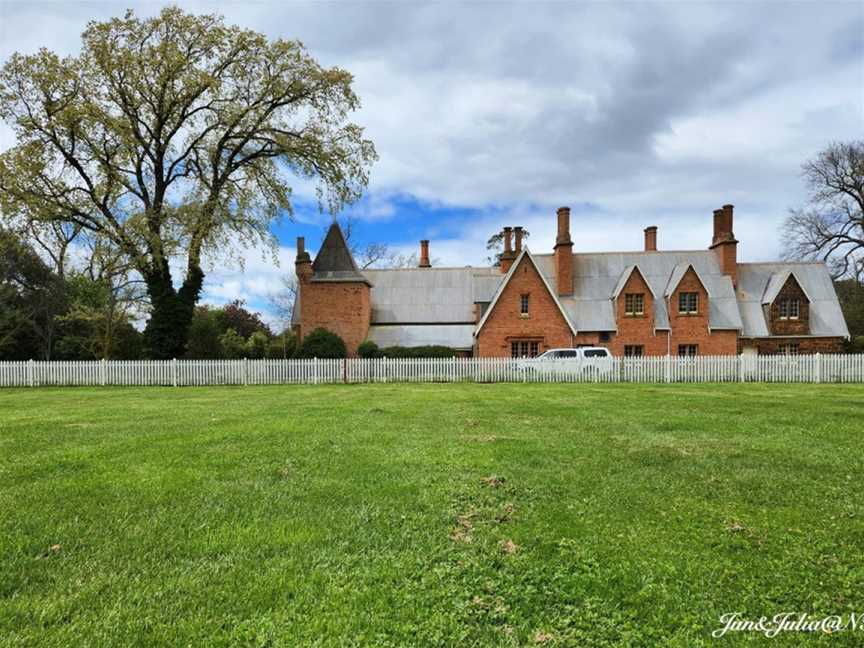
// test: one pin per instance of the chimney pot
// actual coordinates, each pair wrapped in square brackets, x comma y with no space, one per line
[424,254]
[651,238]
[518,231]
[301,246]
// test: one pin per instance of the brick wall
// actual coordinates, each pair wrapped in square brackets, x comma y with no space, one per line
[771,346]
[545,323]
[343,308]
[693,329]
[800,326]
[637,330]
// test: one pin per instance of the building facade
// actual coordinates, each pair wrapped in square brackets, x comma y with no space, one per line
[645,303]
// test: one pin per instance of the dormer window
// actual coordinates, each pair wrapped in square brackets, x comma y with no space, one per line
[688,303]
[634,304]
[790,309]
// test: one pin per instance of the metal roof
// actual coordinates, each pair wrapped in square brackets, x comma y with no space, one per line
[596,276]
[826,317]
[430,295]
[678,274]
[427,303]
[455,336]
[776,283]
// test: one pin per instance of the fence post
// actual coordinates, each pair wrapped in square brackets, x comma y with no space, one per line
[741,367]
[245,372]
[103,372]
[345,370]
[174,371]
[818,376]
[668,367]
[30,377]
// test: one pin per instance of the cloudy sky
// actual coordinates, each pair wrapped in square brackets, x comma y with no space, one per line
[487,114]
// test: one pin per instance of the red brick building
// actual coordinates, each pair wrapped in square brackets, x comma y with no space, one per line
[649,302]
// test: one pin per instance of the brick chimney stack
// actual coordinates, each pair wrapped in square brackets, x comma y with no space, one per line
[508,256]
[651,238]
[424,254]
[564,254]
[724,242]
[518,232]
[302,262]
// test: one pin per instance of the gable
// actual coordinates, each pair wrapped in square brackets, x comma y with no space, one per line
[524,275]
[625,280]
[781,282]
[678,275]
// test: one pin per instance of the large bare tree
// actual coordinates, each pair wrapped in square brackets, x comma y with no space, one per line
[831,226]
[174,136]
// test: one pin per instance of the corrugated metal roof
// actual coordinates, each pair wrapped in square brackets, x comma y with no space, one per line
[596,275]
[678,274]
[826,317]
[455,336]
[430,295]
[776,283]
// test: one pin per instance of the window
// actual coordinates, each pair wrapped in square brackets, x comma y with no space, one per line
[688,303]
[524,349]
[523,304]
[604,336]
[596,353]
[633,350]
[790,309]
[688,350]
[789,349]
[634,304]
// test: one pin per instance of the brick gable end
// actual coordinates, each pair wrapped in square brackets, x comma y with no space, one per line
[504,323]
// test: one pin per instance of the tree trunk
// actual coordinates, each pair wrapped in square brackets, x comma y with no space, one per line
[167,329]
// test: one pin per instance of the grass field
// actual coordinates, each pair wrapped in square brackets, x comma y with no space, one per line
[401,515]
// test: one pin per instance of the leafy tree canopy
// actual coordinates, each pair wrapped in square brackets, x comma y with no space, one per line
[173,136]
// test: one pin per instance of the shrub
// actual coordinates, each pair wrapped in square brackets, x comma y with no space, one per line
[368,349]
[232,345]
[322,343]
[257,345]
[282,346]
[418,352]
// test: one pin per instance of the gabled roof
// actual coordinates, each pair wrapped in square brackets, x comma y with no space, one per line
[334,261]
[677,275]
[776,283]
[596,274]
[525,254]
[430,295]
[826,316]
[625,277]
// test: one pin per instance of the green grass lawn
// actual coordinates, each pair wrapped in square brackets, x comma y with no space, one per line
[587,515]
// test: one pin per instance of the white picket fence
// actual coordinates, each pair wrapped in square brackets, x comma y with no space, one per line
[700,369]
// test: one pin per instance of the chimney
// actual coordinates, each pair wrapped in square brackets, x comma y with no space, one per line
[651,238]
[424,254]
[518,231]
[302,262]
[564,254]
[508,255]
[724,243]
